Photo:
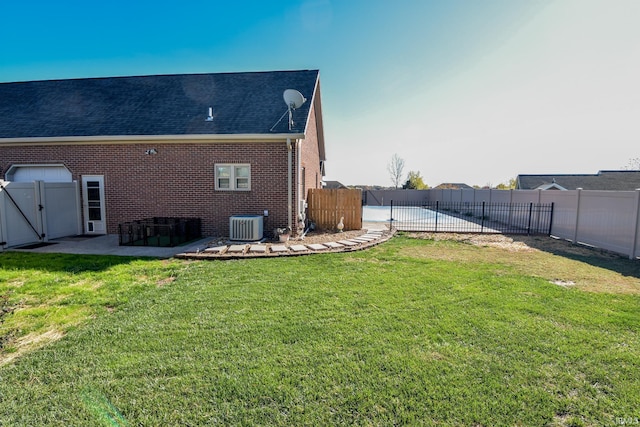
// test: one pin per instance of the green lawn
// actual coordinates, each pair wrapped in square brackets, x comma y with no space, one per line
[388,336]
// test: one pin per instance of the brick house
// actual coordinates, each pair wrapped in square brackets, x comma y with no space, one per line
[194,145]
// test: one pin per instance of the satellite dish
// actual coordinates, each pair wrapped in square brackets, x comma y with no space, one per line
[293,98]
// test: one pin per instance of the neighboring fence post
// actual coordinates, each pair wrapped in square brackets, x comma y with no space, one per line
[391,217]
[530,214]
[437,208]
[575,231]
[551,218]
[538,210]
[634,245]
[509,222]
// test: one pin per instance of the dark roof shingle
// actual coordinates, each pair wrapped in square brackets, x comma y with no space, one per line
[624,180]
[243,103]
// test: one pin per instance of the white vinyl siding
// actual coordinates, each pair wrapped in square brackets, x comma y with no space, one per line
[233,177]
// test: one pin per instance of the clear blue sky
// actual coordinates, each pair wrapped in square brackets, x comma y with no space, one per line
[473,91]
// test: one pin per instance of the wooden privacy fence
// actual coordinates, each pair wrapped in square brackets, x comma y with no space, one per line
[325,207]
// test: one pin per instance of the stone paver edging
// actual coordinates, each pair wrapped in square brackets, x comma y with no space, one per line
[260,250]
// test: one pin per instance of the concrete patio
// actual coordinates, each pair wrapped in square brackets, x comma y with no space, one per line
[206,248]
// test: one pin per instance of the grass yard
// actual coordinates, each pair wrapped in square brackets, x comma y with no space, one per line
[412,332]
[44,296]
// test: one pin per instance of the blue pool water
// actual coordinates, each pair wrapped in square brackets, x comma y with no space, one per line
[418,218]
[376,213]
[400,213]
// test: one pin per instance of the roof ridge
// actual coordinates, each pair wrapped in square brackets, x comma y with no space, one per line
[161,75]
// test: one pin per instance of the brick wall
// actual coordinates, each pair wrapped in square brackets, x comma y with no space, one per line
[178,181]
[310,157]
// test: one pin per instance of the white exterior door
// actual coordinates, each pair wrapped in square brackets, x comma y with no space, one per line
[93,204]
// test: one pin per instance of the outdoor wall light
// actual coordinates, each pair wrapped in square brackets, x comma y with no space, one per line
[151,151]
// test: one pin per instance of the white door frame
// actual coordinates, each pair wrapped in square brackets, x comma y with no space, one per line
[93,208]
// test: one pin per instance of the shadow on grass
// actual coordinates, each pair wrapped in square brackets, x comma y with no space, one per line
[593,256]
[68,263]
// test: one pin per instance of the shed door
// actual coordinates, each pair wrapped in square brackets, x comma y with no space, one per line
[93,204]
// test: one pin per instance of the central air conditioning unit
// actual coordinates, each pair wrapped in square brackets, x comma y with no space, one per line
[246,227]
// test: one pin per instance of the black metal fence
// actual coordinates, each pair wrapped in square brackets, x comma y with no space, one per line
[159,231]
[467,217]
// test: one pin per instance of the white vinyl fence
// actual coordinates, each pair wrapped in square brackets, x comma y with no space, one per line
[604,219]
[38,211]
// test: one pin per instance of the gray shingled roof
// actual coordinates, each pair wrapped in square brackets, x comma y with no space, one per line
[603,180]
[243,103]
[334,185]
[453,186]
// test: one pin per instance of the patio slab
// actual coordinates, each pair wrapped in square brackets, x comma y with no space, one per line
[236,249]
[108,244]
[334,245]
[375,235]
[317,247]
[217,250]
[362,239]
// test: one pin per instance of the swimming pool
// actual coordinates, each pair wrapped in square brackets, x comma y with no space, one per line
[402,214]
[419,218]
[464,217]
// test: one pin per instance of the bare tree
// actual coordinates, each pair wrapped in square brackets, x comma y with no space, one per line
[395,168]
[632,165]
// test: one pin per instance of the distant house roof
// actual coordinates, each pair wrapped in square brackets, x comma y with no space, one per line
[334,185]
[452,186]
[246,103]
[603,180]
